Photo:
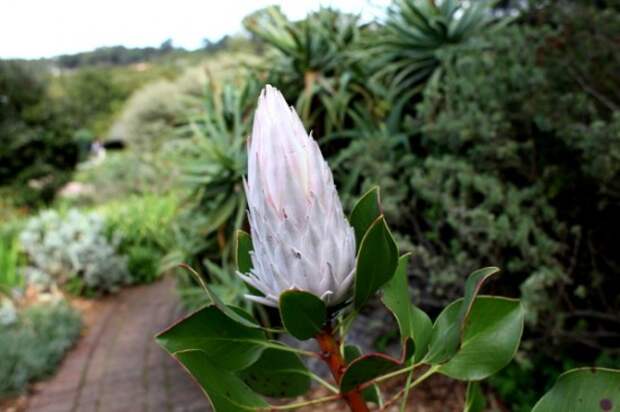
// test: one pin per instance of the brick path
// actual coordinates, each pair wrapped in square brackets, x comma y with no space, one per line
[117,366]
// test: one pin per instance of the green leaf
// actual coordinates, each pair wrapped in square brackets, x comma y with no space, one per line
[412,321]
[472,287]
[228,343]
[445,342]
[226,391]
[278,374]
[303,314]
[366,368]
[243,247]
[366,210]
[376,261]
[583,389]
[474,398]
[244,319]
[242,251]
[490,339]
[372,393]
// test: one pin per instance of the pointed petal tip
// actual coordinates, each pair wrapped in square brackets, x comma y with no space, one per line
[262,300]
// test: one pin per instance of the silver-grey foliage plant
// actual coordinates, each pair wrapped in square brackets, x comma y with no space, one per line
[63,247]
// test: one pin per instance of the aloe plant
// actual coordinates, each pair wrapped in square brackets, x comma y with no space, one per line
[212,158]
[310,61]
[405,51]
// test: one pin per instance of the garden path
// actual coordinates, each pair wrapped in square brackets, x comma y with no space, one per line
[117,366]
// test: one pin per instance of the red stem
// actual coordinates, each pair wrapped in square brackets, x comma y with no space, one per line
[330,353]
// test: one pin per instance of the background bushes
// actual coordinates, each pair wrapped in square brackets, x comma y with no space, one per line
[37,153]
[33,345]
[517,114]
[142,225]
[73,250]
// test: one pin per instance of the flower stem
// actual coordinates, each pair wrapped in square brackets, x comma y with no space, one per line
[280,346]
[324,383]
[297,405]
[409,386]
[330,353]
[387,376]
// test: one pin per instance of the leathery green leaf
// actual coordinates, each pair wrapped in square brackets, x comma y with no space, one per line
[413,322]
[365,369]
[490,339]
[278,374]
[376,262]
[371,393]
[444,343]
[225,390]
[581,390]
[366,210]
[229,344]
[302,313]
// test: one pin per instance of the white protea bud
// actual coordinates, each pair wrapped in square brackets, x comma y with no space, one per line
[300,235]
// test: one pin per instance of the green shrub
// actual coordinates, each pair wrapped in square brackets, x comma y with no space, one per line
[143,263]
[33,345]
[468,218]
[37,151]
[150,116]
[10,276]
[121,175]
[212,153]
[91,97]
[143,227]
[527,128]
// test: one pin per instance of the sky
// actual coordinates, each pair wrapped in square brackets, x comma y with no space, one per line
[45,28]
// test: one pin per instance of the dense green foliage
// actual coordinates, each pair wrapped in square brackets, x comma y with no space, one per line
[522,168]
[142,225]
[10,260]
[50,116]
[211,150]
[37,152]
[33,345]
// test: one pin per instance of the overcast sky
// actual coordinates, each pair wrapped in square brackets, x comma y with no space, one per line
[44,28]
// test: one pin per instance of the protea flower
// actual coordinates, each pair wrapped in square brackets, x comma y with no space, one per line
[300,235]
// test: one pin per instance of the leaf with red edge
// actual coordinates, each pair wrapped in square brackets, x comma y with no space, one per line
[444,342]
[365,369]
[371,393]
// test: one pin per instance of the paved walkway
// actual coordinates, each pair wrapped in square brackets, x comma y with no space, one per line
[117,366]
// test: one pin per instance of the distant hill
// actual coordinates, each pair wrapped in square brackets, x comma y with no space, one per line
[116,56]
[123,56]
